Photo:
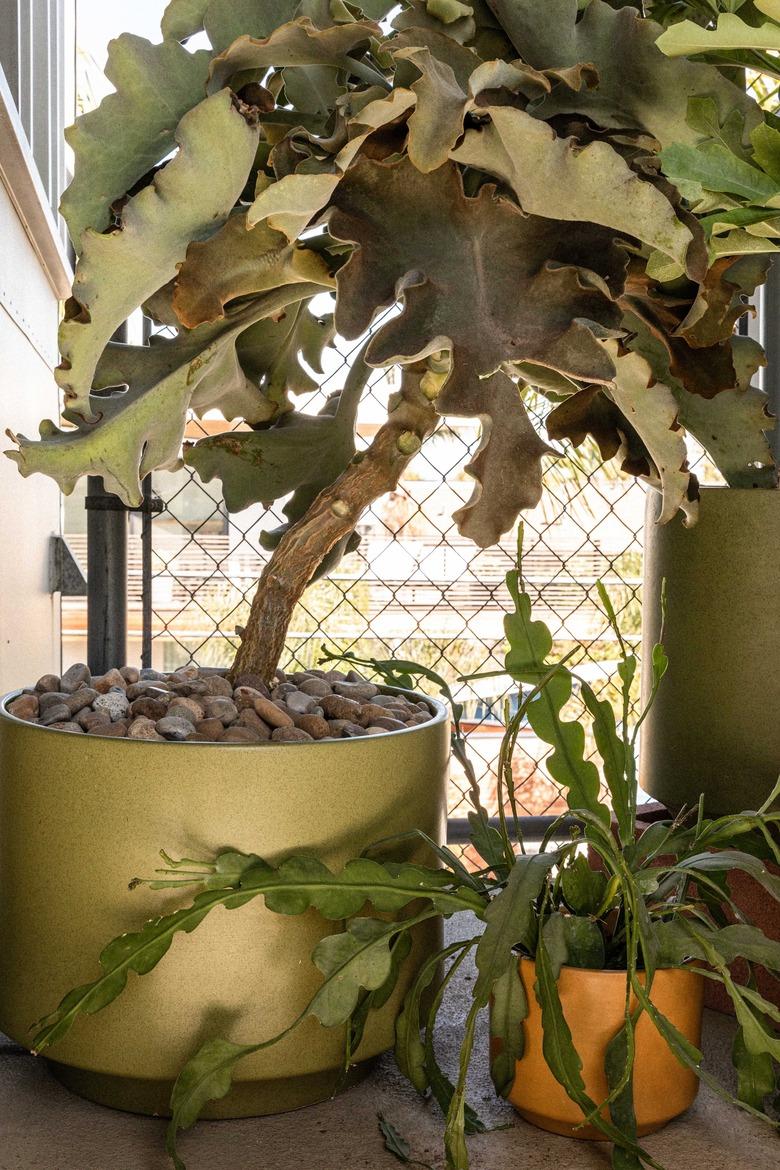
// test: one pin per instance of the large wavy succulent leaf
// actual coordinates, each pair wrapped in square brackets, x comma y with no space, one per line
[301,453]
[136,430]
[562,179]
[651,408]
[638,86]
[280,334]
[293,202]
[507,465]
[732,426]
[590,412]
[721,299]
[436,16]
[313,89]
[450,84]
[279,354]
[731,32]
[189,198]
[131,130]
[475,276]
[290,204]
[183,18]
[299,42]
[237,262]
[441,103]
[225,20]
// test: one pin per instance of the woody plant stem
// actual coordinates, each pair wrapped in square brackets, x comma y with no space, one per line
[333,515]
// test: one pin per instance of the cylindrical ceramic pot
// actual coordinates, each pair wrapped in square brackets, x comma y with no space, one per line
[715,724]
[594,1006]
[82,815]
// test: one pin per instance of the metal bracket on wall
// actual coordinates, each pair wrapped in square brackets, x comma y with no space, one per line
[65,573]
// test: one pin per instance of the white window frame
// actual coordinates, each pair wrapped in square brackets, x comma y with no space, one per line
[36,72]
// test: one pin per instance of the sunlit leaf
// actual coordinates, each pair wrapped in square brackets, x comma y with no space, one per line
[131,130]
[191,196]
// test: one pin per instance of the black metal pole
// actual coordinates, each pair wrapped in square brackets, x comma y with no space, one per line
[106,578]
[533,828]
[147,516]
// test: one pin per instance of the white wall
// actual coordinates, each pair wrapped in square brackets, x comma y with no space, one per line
[33,272]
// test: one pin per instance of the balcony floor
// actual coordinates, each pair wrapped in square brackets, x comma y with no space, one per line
[44,1127]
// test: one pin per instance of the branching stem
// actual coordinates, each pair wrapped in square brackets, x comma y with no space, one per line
[333,515]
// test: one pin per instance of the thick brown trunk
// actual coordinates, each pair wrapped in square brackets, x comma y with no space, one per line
[333,515]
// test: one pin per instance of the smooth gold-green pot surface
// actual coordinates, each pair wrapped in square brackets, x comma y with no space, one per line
[715,725]
[82,815]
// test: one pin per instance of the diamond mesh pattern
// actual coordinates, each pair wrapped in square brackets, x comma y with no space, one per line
[414,588]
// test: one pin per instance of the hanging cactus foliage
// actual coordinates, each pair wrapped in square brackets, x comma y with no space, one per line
[546,199]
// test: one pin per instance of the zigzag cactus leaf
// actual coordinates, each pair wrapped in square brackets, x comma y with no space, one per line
[527,661]
[298,884]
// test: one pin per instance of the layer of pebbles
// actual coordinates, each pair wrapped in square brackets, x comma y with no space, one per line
[191,704]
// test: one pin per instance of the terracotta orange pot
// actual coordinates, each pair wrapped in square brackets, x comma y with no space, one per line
[594,1003]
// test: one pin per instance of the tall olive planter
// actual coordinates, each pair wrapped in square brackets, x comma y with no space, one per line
[81,815]
[715,725]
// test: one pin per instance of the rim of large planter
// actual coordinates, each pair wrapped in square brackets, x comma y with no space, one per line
[441,713]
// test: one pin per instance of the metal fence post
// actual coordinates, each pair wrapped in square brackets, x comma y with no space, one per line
[150,505]
[106,578]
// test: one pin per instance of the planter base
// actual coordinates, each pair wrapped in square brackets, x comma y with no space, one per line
[587,1132]
[245,1099]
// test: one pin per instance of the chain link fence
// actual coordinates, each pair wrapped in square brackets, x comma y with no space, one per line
[414,588]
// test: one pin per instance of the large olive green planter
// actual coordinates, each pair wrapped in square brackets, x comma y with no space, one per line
[81,815]
[715,725]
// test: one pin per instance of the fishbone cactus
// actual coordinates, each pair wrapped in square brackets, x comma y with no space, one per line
[505,173]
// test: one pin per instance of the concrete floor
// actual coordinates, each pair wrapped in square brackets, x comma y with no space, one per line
[43,1127]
